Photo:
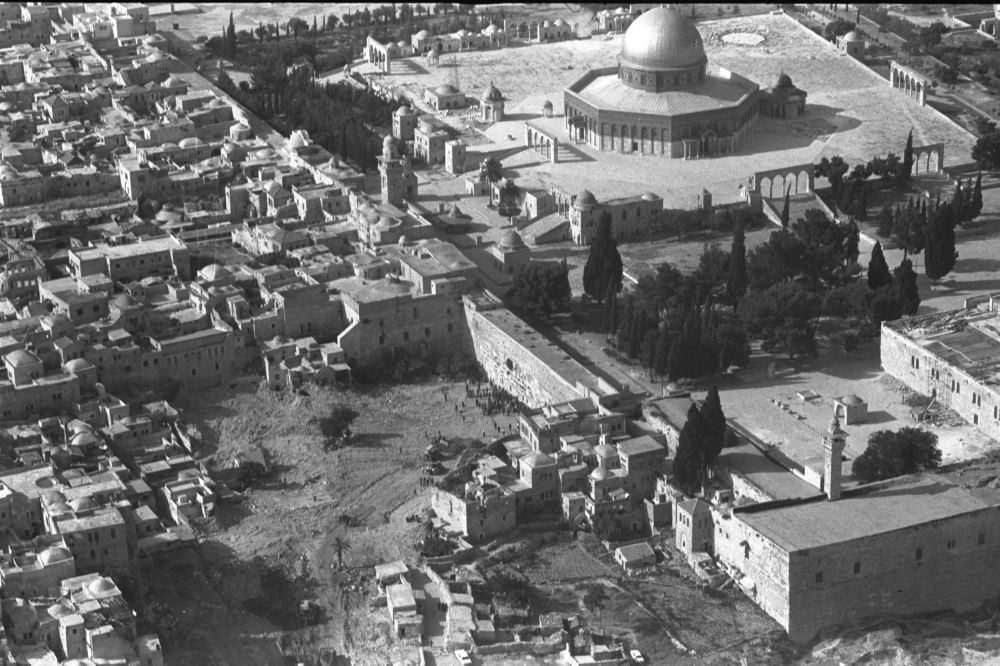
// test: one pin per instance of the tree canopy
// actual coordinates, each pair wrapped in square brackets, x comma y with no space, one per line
[782,316]
[689,461]
[604,268]
[987,151]
[878,269]
[541,289]
[890,454]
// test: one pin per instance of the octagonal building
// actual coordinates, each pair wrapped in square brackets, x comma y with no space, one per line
[662,98]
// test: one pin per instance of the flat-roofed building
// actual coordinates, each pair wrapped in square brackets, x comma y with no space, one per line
[156,256]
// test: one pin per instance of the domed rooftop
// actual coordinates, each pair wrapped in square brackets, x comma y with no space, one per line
[385,223]
[403,240]
[216,103]
[446,89]
[60,508]
[7,172]
[852,36]
[174,82]
[55,554]
[390,140]
[599,474]
[662,39]
[404,110]
[559,22]
[214,272]
[55,320]
[59,610]
[537,459]
[21,358]
[511,240]
[102,586]
[190,473]
[605,451]
[190,142]
[585,200]
[649,196]
[784,81]
[123,301]
[423,34]
[547,105]
[83,504]
[279,340]
[852,399]
[78,365]
[462,33]
[402,44]
[53,497]
[491,29]
[456,211]
[492,94]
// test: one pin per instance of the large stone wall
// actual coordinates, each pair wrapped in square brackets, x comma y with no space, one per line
[509,363]
[891,579]
[925,373]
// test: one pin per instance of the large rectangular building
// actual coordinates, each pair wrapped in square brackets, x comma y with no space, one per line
[156,256]
[908,545]
[952,356]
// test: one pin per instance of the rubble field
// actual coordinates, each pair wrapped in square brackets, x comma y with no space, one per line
[265,555]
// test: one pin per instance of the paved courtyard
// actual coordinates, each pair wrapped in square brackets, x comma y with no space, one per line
[851,111]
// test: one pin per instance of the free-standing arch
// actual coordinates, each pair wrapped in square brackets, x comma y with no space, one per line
[909,81]
[800,177]
[928,159]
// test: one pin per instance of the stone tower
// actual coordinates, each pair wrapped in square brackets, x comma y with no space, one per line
[705,201]
[398,179]
[834,441]
[454,156]
[404,121]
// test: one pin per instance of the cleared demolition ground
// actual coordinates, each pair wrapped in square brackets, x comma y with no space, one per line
[260,558]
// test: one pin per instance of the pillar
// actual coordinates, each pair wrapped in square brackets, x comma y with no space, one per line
[555,151]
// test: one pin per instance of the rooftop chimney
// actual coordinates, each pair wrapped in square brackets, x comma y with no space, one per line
[834,441]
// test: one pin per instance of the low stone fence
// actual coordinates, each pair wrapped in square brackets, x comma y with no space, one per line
[551,645]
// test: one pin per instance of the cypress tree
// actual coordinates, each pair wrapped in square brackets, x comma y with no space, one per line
[906,282]
[784,210]
[231,38]
[861,207]
[636,332]
[675,364]
[650,340]
[977,197]
[689,461]
[939,252]
[626,320]
[604,263]
[715,427]
[878,269]
[661,362]
[736,286]
[958,203]
[610,312]
[907,165]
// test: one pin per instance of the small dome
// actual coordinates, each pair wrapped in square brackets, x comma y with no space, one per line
[214,272]
[296,140]
[402,44]
[649,196]
[216,103]
[59,509]
[123,301]
[621,11]
[385,223]
[446,89]
[462,33]
[547,105]
[852,36]
[279,340]
[102,586]
[852,399]
[190,142]
[389,141]
[55,554]
[423,34]
[55,320]
[605,451]
[60,610]
[7,172]
[426,127]
[784,81]
[174,82]
[511,240]
[21,358]
[404,110]
[87,503]
[189,474]
[53,497]
[537,459]
[78,365]
[585,200]
[456,211]
[403,240]
[559,22]
[491,29]
[599,474]
[492,94]
[547,24]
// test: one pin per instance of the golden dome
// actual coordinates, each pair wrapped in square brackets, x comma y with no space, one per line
[662,39]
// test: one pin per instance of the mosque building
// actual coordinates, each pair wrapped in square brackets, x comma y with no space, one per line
[662,99]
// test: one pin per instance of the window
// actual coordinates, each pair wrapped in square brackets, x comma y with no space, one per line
[406,336]
[450,327]
[982,538]
[951,544]
[414,313]
[857,568]
[819,576]
[427,332]
[920,554]
[93,554]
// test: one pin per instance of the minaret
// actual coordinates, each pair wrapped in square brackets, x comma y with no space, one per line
[834,441]
[391,169]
